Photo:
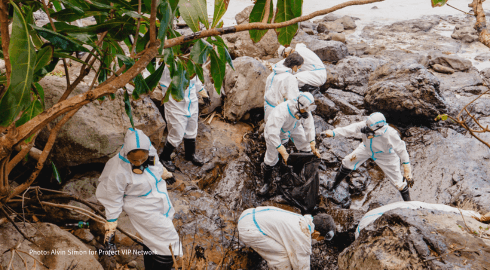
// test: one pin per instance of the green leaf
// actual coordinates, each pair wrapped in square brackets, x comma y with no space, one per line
[179,82]
[22,57]
[285,13]
[59,41]
[30,20]
[43,57]
[57,5]
[438,3]
[46,69]
[200,51]
[168,57]
[297,7]
[40,92]
[127,107]
[140,87]
[71,15]
[32,111]
[199,72]
[257,15]
[190,69]
[165,17]
[218,68]
[193,12]
[225,57]
[174,4]
[220,7]
[153,80]
[56,174]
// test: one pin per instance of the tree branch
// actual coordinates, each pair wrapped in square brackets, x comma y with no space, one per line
[259,25]
[266,10]
[4,30]
[153,18]
[137,34]
[22,153]
[481,23]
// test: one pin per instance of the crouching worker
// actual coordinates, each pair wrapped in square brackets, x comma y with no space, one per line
[381,143]
[136,182]
[182,118]
[281,237]
[290,119]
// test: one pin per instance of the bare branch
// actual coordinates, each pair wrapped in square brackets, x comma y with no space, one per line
[481,23]
[4,30]
[22,153]
[137,34]
[153,18]
[266,10]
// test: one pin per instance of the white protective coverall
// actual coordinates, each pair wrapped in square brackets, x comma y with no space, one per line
[386,149]
[182,117]
[282,125]
[281,237]
[143,197]
[312,71]
[280,86]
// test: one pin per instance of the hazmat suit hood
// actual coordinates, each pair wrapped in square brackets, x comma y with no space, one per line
[280,68]
[135,139]
[377,121]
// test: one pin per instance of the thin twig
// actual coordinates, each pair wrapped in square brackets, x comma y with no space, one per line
[33,258]
[17,228]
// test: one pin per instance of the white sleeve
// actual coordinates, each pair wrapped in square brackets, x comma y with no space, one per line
[110,193]
[299,246]
[399,147]
[309,126]
[273,127]
[292,90]
[351,130]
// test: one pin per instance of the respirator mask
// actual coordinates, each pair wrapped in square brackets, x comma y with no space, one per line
[150,161]
[369,132]
[300,114]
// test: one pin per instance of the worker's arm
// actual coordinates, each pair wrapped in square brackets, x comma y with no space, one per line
[110,193]
[298,245]
[399,147]
[309,126]
[352,130]
[291,88]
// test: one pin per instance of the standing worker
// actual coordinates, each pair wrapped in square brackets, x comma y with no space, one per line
[312,74]
[290,119]
[182,120]
[381,143]
[281,237]
[133,181]
[281,85]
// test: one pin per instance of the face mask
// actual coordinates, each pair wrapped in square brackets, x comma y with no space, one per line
[300,114]
[141,168]
[369,132]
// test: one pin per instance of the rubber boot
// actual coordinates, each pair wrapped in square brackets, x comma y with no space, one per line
[342,173]
[165,157]
[267,179]
[405,194]
[190,152]
[308,88]
[157,262]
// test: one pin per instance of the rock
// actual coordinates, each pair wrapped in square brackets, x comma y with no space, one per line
[330,17]
[96,132]
[363,49]
[237,187]
[327,27]
[132,264]
[402,56]
[84,234]
[337,37]
[53,248]
[485,73]
[349,97]
[352,74]
[442,69]
[346,220]
[244,87]
[240,44]
[465,33]
[413,26]
[326,108]
[242,16]
[344,106]
[402,89]
[307,25]
[452,61]
[330,51]
[309,31]
[216,99]
[482,57]
[347,22]
[320,124]
[418,239]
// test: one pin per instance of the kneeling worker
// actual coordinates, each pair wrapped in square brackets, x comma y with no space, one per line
[281,237]
[382,144]
[136,182]
[290,119]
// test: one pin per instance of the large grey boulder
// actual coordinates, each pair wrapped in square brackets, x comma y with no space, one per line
[351,98]
[242,16]
[330,51]
[325,107]
[352,74]
[215,98]
[96,132]
[347,22]
[465,33]
[244,87]
[452,61]
[54,247]
[418,239]
[327,27]
[405,89]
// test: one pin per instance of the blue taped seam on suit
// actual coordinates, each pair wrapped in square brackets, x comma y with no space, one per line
[256,224]
[156,184]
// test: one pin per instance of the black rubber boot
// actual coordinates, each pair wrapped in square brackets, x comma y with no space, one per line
[190,152]
[157,262]
[405,194]
[267,179]
[342,173]
[165,157]
[308,88]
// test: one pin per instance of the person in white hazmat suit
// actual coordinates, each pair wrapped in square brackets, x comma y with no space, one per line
[281,85]
[283,238]
[312,74]
[381,143]
[136,182]
[290,119]
[182,120]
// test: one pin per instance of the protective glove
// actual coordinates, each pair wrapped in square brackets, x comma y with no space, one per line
[329,133]
[284,153]
[314,150]
[407,174]
[168,176]
[110,232]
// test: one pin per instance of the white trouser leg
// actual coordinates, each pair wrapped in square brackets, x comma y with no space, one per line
[176,125]
[191,128]
[390,164]
[314,78]
[356,158]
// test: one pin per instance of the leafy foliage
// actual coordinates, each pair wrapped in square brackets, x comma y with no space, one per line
[438,3]
[257,14]
[284,13]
